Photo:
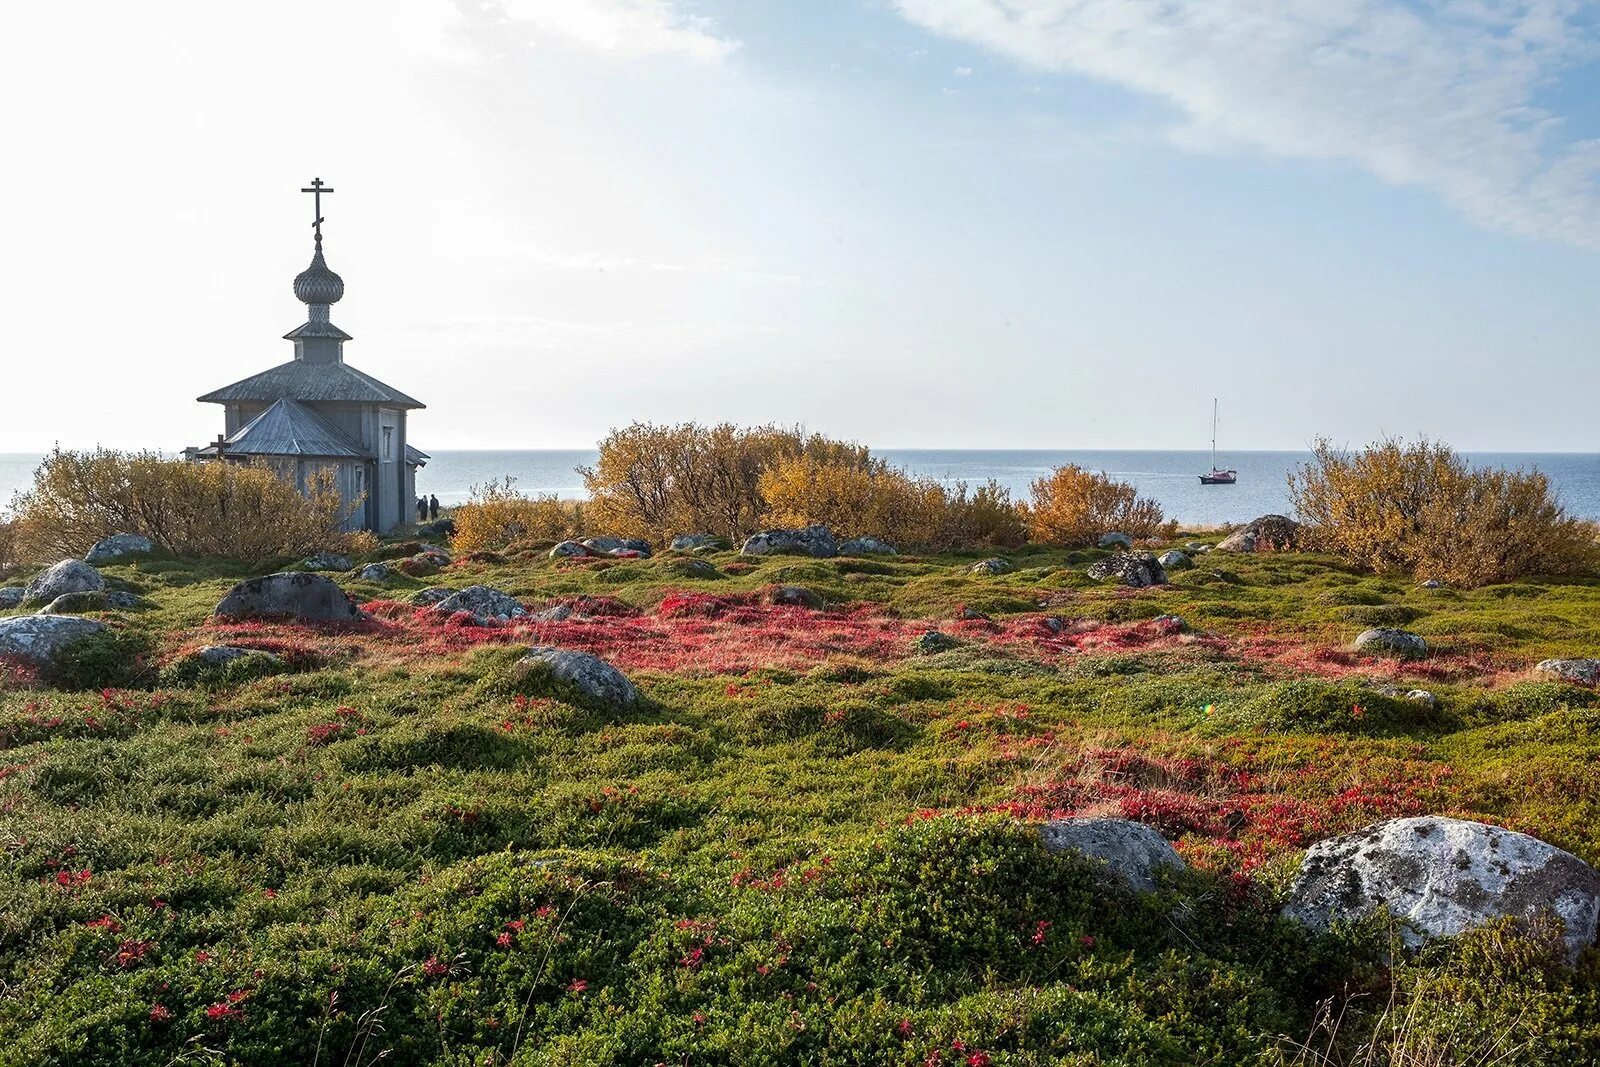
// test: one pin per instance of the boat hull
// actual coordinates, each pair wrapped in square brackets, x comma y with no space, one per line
[1220,478]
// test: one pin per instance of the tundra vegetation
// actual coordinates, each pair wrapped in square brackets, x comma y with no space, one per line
[811,840]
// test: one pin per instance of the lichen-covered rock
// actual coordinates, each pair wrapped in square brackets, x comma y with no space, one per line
[971,614]
[1115,540]
[1135,569]
[1580,671]
[222,655]
[376,572]
[1443,877]
[68,576]
[554,613]
[11,596]
[434,594]
[995,565]
[793,596]
[77,603]
[934,642]
[867,546]
[1130,851]
[1422,697]
[327,561]
[295,594]
[813,541]
[1385,641]
[1174,560]
[484,603]
[595,679]
[40,638]
[1269,533]
[572,550]
[1173,623]
[696,542]
[619,546]
[116,546]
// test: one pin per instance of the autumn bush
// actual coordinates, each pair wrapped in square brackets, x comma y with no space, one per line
[1074,506]
[497,516]
[1420,509]
[221,510]
[8,546]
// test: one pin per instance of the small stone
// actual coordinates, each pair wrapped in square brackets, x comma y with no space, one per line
[1135,569]
[1383,640]
[1422,697]
[972,615]
[116,546]
[1580,671]
[376,572]
[934,642]
[75,604]
[594,678]
[1431,583]
[1130,851]
[1116,540]
[1172,622]
[794,596]
[1174,560]
[327,561]
[995,565]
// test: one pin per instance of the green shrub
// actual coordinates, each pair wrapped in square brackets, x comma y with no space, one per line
[111,659]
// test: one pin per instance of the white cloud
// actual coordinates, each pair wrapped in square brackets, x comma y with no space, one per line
[963,72]
[625,29]
[1439,94]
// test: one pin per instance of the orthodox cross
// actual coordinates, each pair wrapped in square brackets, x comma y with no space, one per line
[317,189]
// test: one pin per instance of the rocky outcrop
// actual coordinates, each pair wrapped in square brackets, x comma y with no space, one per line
[813,541]
[1129,851]
[434,594]
[867,546]
[222,655]
[1174,560]
[597,681]
[697,542]
[327,561]
[618,546]
[292,594]
[1578,671]
[1445,876]
[1387,642]
[1116,540]
[116,546]
[1135,569]
[1269,533]
[996,565]
[484,603]
[68,576]
[40,638]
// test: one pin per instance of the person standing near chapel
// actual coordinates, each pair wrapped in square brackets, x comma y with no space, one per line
[422,509]
[433,507]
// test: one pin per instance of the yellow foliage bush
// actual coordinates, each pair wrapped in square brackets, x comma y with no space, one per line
[1074,506]
[497,516]
[223,510]
[1419,509]
[8,546]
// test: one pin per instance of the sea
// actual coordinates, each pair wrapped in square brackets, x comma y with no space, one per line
[1172,478]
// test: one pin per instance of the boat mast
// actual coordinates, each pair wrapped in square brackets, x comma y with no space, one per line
[1213,433]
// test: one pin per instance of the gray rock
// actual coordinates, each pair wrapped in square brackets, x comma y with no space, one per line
[75,604]
[438,528]
[554,613]
[1431,583]
[1135,569]
[327,561]
[68,576]
[117,545]
[612,546]
[867,546]
[1174,560]
[1443,877]
[376,572]
[1423,697]
[40,638]
[222,655]
[12,596]
[695,542]
[1383,640]
[427,598]
[972,615]
[1054,623]
[1269,533]
[296,594]
[934,642]
[793,596]
[483,603]
[995,565]
[572,550]
[1172,622]
[591,676]
[1116,540]
[813,541]
[694,568]
[1130,851]
[1581,671]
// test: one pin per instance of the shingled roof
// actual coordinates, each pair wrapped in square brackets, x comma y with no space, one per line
[288,428]
[312,382]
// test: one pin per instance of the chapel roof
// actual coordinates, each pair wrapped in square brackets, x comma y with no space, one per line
[289,428]
[312,382]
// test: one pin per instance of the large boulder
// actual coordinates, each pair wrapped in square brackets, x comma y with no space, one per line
[484,603]
[614,546]
[68,576]
[1130,851]
[116,546]
[1116,540]
[1390,642]
[806,541]
[1443,877]
[327,561]
[1580,671]
[1136,569]
[40,638]
[596,680]
[296,594]
[12,596]
[867,546]
[1174,560]
[1269,533]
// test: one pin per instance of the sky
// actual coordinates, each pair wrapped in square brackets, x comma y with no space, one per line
[913,223]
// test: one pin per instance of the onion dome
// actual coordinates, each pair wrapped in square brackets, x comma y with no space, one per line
[317,284]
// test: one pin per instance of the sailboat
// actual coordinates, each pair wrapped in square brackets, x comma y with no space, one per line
[1218,476]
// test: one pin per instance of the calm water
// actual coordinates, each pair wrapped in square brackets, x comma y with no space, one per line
[1170,477]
